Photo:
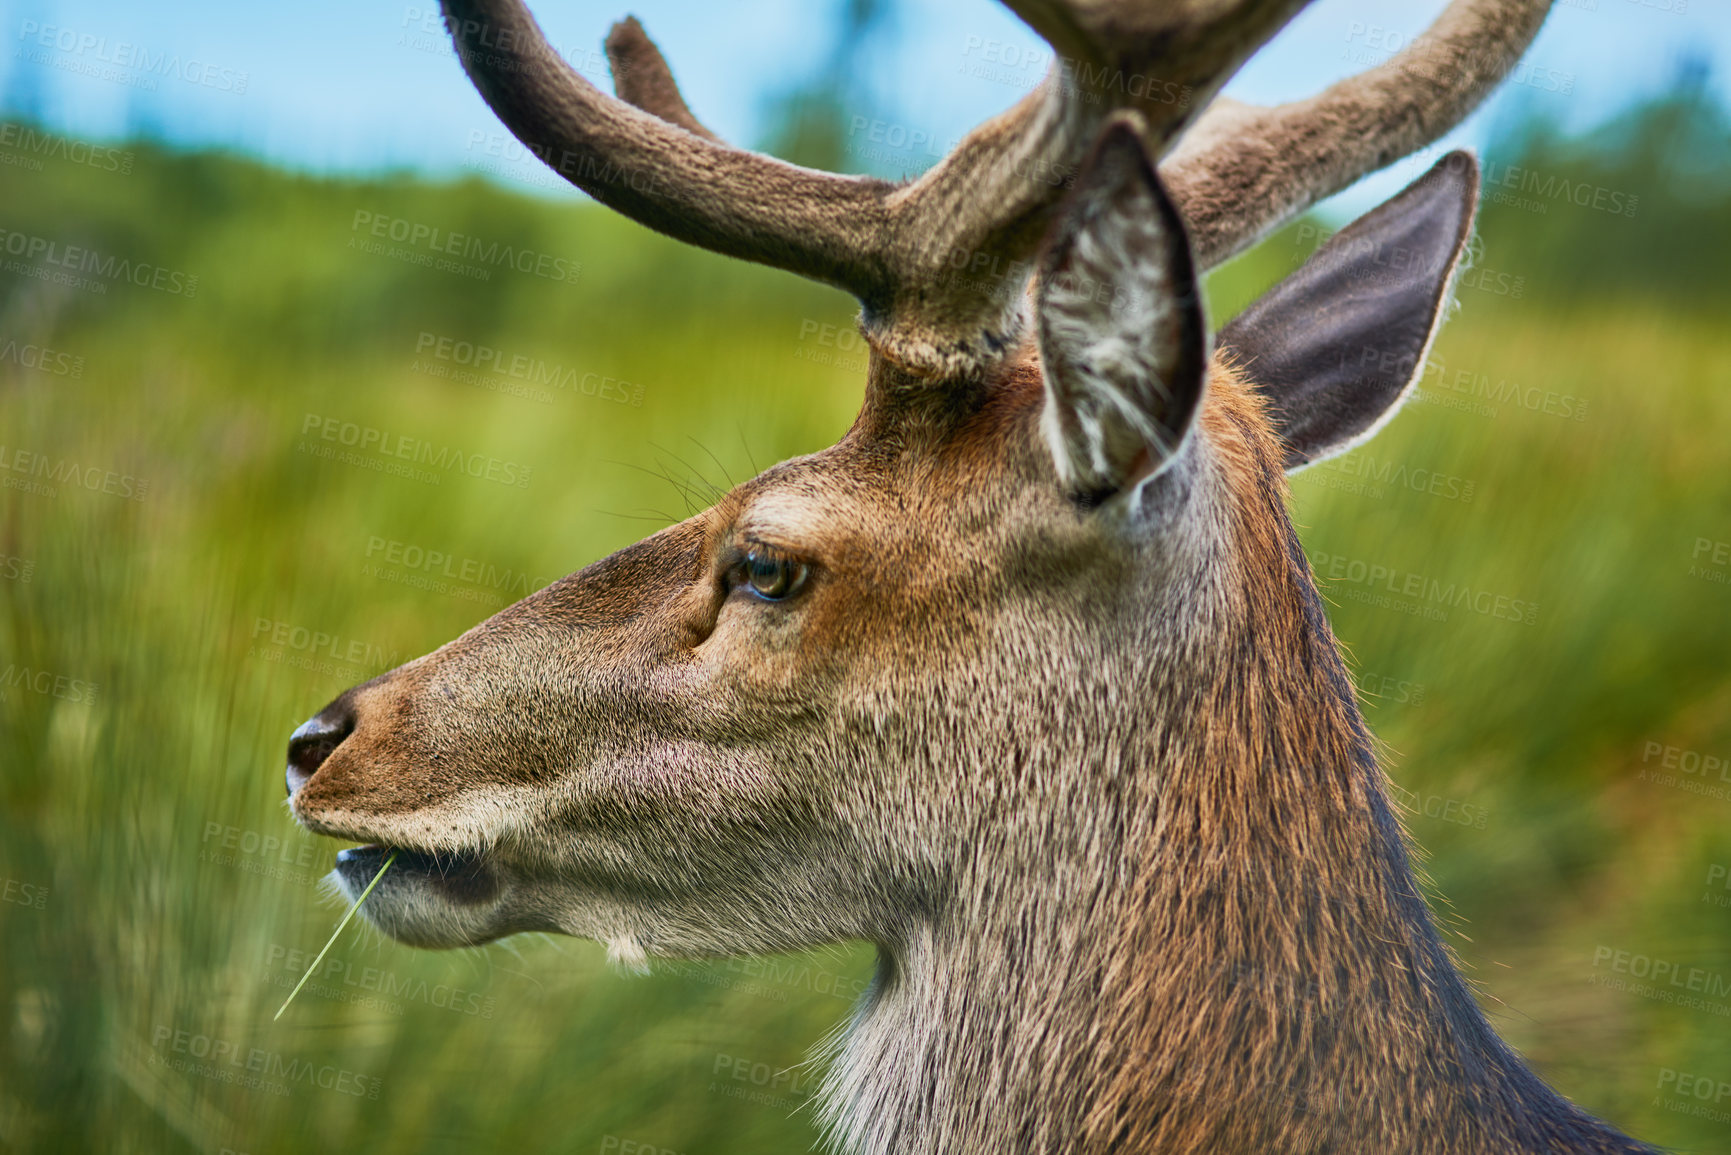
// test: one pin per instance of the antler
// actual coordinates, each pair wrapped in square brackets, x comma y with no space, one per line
[1243,170]
[894,247]
[641,76]
[914,254]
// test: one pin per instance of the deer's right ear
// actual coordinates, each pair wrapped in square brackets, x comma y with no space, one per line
[1122,341]
[1338,345]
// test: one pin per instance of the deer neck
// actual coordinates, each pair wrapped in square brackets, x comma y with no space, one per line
[1218,946]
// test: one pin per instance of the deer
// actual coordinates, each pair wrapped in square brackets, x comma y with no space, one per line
[1026,681]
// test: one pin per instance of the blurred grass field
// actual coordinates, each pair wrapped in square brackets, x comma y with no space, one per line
[159,902]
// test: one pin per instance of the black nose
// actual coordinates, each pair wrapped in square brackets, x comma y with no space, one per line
[310,745]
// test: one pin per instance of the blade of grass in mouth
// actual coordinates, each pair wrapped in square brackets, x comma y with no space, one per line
[285,1003]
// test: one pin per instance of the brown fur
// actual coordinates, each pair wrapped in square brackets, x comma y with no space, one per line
[1087,770]
[1108,810]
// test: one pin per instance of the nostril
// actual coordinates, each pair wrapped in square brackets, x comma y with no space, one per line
[310,745]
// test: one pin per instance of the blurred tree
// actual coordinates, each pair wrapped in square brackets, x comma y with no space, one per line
[1639,207]
[25,96]
[809,122]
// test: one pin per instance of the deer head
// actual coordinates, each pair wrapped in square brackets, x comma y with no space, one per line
[1025,681]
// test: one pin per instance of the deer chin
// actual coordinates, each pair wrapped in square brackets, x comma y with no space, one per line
[444,900]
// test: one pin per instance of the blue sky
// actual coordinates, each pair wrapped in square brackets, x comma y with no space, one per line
[366,87]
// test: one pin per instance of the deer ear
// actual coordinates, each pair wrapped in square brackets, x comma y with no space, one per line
[1337,346]
[1122,341]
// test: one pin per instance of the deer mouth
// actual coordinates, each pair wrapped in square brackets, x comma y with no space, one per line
[462,878]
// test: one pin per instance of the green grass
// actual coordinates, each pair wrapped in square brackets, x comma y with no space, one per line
[154,939]
[312,967]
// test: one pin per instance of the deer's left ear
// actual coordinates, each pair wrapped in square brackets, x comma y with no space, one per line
[1337,346]
[1122,341]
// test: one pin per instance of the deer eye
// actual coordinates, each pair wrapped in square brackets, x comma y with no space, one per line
[771,576]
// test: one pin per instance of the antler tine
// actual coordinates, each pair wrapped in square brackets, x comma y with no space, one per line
[1197,43]
[679,182]
[1243,170]
[913,255]
[641,76]
[988,203]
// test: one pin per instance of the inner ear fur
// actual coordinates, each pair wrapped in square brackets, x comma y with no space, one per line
[1123,346]
[1337,346]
